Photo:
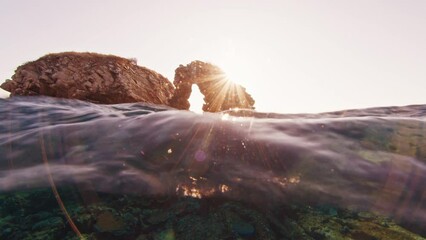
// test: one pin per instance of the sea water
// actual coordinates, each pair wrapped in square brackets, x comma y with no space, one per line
[71,169]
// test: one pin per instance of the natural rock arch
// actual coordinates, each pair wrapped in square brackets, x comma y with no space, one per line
[219,93]
[110,79]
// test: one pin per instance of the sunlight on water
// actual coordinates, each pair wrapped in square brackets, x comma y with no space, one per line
[327,164]
[225,117]
[195,191]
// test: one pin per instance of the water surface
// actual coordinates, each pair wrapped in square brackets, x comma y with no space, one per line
[369,160]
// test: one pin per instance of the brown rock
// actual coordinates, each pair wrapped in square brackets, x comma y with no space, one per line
[110,79]
[219,93]
[90,77]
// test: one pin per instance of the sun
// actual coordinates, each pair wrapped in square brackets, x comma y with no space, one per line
[233,73]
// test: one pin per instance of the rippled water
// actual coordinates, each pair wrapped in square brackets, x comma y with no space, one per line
[367,160]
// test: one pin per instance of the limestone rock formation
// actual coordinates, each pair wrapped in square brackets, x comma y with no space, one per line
[109,79]
[219,93]
[90,77]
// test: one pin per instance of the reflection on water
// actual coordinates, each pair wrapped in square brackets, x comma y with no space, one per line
[134,170]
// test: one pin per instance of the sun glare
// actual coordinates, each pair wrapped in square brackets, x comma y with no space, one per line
[220,91]
[233,73]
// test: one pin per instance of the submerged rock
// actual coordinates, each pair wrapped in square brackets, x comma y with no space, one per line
[90,77]
[219,93]
[212,219]
[243,229]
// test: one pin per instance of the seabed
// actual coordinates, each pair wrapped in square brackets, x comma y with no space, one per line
[35,214]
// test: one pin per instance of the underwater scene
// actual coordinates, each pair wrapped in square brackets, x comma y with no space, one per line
[76,170]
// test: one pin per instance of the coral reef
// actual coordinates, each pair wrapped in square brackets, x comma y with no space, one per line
[219,93]
[90,77]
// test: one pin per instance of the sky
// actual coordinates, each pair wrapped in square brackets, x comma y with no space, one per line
[299,56]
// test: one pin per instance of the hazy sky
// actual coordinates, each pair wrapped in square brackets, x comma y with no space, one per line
[292,56]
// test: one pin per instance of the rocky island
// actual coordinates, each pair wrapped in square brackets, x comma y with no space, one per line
[108,79]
